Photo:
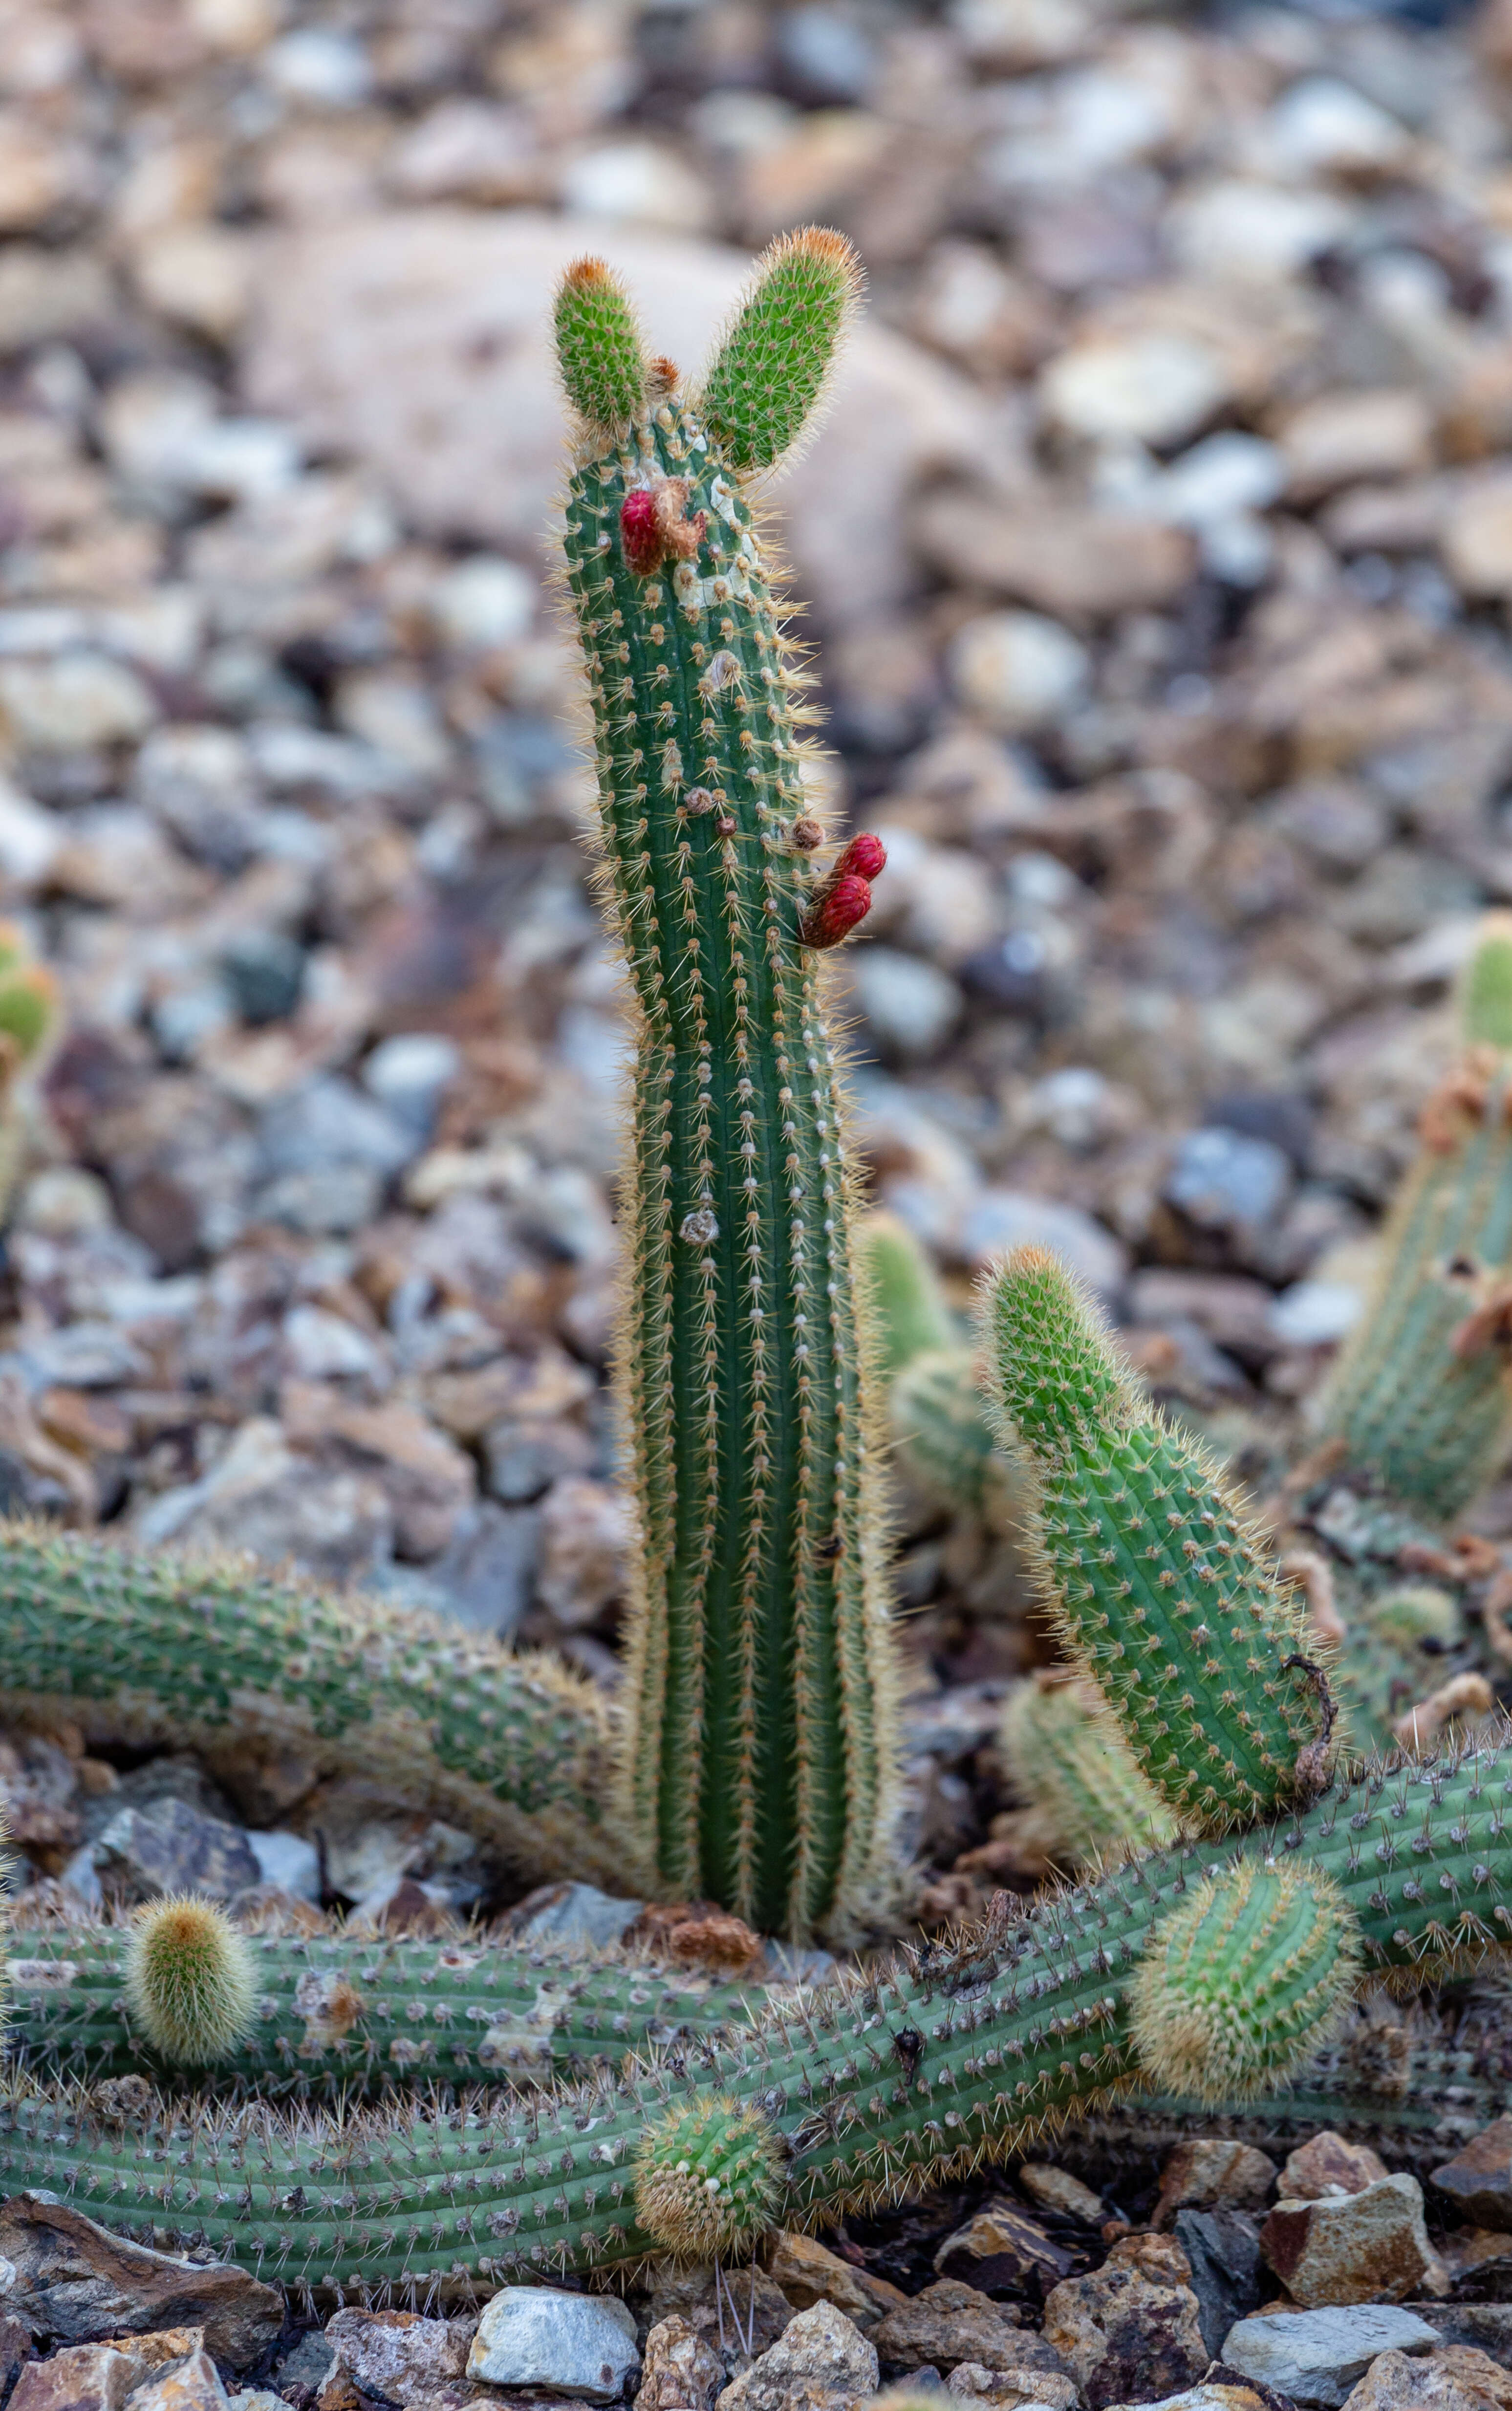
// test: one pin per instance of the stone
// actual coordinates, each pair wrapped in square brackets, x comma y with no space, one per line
[1209,2170]
[1059,556]
[1475,536]
[15,2351]
[679,2371]
[1223,2249]
[1370,2246]
[1056,2189]
[1222,1180]
[302,2373]
[1478,2179]
[76,699]
[1018,670]
[82,2377]
[347,313]
[949,2322]
[1329,2164]
[999,2248]
[809,2272]
[571,1915]
[75,2284]
[1011,1218]
[762,2313]
[1340,437]
[1155,387]
[820,2363]
[288,1865]
[1315,2356]
[911,1006]
[1006,2389]
[1131,2324]
[193,2384]
[397,2355]
[1452,2378]
[169,1847]
[568,2344]
[586,1530]
[1215,2394]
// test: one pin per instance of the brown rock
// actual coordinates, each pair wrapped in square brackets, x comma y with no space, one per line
[1005,2389]
[83,2378]
[950,2323]
[762,2310]
[679,2371]
[190,2385]
[1130,2328]
[1210,2171]
[1452,2378]
[1478,2179]
[1062,557]
[820,2363]
[809,2272]
[1055,2189]
[999,2248]
[397,2355]
[698,1934]
[1328,2165]
[76,2284]
[15,2351]
[1370,2246]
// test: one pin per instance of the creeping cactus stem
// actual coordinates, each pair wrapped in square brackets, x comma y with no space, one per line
[757,1764]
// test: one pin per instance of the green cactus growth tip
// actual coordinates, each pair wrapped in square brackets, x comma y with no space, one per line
[909,1305]
[1067,1760]
[707,2179]
[1245,1980]
[599,346]
[775,359]
[189,1979]
[1421,1395]
[757,1763]
[1162,1592]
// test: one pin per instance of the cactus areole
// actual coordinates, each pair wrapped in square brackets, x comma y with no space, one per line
[757,1759]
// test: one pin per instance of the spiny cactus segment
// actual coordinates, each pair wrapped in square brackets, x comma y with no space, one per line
[1162,1593]
[707,2179]
[908,1305]
[189,1979]
[1244,1980]
[1421,1395]
[1065,1757]
[769,374]
[599,350]
[757,1762]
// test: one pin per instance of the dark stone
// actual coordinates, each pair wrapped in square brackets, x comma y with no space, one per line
[1478,2179]
[171,1847]
[75,2284]
[1224,2248]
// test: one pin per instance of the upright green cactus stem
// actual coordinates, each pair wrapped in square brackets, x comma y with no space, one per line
[757,1759]
[1162,1593]
[1069,1761]
[1421,1394]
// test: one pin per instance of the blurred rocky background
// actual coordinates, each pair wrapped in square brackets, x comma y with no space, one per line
[1158,554]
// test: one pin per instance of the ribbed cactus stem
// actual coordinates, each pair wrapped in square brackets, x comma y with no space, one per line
[909,2076]
[189,1981]
[908,1302]
[513,1750]
[1421,1394]
[945,1440]
[1163,1594]
[757,1766]
[1066,1759]
[349,2014]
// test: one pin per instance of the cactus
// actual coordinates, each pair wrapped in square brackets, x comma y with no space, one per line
[908,1303]
[1159,1587]
[189,1981]
[1066,1759]
[1420,1394]
[909,2074]
[30,1017]
[513,1748]
[707,2179]
[340,2014]
[757,1758]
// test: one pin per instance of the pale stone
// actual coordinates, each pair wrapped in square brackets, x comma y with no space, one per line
[568,2344]
[1315,2356]
[77,699]
[1155,388]
[1370,2246]
[820,2363]
[1017,669]
[200,276]
[636,183]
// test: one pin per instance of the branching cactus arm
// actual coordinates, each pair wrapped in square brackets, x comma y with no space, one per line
[757,1767]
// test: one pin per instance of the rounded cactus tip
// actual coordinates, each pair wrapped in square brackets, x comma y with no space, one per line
[1486,987]
[1244,1980]
[189,1979]
[599,348]
[708,2180]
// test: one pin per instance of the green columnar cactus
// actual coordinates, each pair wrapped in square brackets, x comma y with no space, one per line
[910,2074]
[1066,1759]
[339,2014]
[757,1758]
[31,1014]
[908,1305]
[1161,1592]
[513,1748]
[940,1428]
[1420,1394]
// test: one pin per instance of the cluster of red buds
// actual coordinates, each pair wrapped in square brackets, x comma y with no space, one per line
[654,522]
[845,898]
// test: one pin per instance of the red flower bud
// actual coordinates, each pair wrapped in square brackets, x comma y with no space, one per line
[865,857]
[835,913]
[640,532]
